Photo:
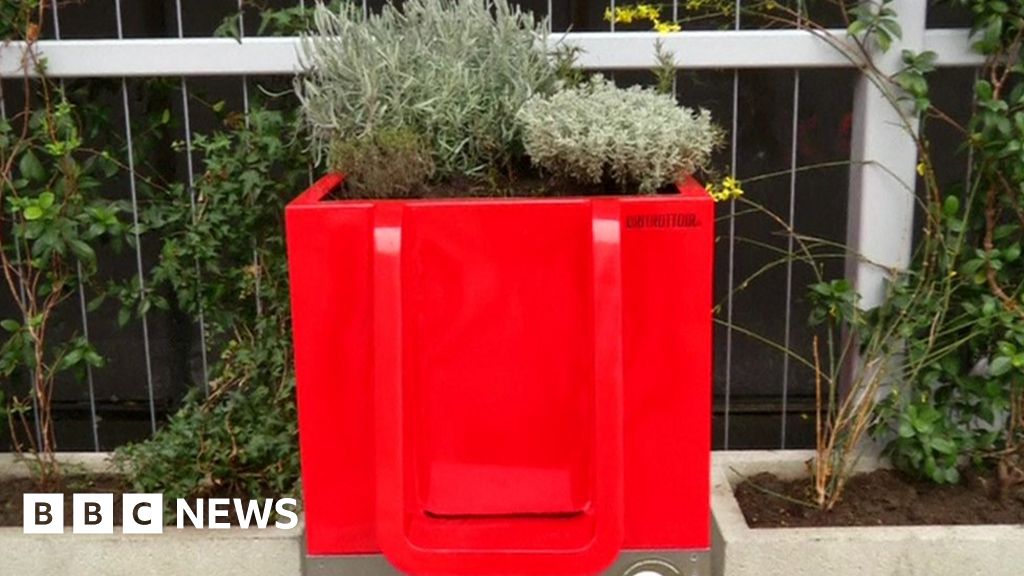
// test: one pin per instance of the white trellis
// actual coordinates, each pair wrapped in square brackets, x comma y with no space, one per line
[880,211]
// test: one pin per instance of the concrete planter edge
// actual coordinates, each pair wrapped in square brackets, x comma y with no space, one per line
[738,550]
[188,551]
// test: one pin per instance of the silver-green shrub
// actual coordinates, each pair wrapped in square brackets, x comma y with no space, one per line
[632,136]
[456,72]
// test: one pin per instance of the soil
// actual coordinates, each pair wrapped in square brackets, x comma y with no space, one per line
[526,186]
[12,489]
[879,498]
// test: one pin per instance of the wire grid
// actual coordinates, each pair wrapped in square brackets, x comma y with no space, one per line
[730,233]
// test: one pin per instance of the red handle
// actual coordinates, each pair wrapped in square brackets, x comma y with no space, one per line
[396,503]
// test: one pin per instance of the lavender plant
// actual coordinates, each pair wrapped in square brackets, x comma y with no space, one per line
[632,136]
[454,72]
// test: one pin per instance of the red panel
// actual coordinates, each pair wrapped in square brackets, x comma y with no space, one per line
[329,256]
[496,351]
[521,386]
[490,369]
[667,256]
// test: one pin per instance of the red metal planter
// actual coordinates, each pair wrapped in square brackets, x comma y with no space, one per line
[503,386]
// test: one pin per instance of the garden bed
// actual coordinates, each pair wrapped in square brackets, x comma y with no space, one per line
[12,489]
[878,498]
[271,552]
[738,549]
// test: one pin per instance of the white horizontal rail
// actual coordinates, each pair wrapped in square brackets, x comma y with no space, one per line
[600,50]
[953,46]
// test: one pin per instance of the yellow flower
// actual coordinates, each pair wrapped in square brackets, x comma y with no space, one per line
[666,27]
[722,7]
[648,12]
[621,14]
[920,168]
[627,14]
[728,189]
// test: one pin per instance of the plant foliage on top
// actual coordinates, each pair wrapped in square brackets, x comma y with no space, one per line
[635,137]
[454,72]
[473,85]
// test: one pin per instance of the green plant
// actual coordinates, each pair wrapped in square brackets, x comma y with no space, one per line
[878,355]
[52,219]
[876,21]
[19,18]
[274,20]
[665,70]
[455,72]
[962,404]
[630,136]
[225,259]
[388,163]
[241,440]
[949,336]
[5,412]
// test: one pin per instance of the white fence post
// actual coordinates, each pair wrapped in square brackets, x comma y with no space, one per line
[880,221]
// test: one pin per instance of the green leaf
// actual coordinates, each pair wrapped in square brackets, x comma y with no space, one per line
[1012,253]
[46,200]
[93,359]
[96,302]
[1001,365]
[33,212]
[31,167]
[73,357]
[892,27]
[82,250]
[984,90]
[107,165]
[951,206]
[10,325]
[857,27]
[943,445]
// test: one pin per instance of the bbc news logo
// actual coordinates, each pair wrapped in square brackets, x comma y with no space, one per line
[144,513]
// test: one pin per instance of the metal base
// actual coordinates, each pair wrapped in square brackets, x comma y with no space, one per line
[629,563]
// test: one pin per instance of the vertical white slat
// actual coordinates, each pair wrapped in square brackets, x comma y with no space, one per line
[55,8]
[309,166]
[245,108]
[731,258]
[880,220]
[190,171]
[138,236]
[970,149]
[791,223]
[675,77]
[94,419]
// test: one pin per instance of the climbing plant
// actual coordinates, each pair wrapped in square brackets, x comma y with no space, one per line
[54,216]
